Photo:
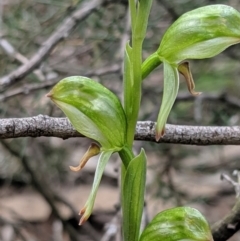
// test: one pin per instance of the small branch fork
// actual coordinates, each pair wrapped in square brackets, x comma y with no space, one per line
[40,125]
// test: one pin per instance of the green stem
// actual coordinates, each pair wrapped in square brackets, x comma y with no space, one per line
[151,63]
[133,12]
[136,89]
[126,155]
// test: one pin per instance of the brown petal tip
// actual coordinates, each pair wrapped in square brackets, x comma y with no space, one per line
[49,95]
[159,134]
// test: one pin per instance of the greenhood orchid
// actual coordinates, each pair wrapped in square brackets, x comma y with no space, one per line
[198,34]
[97,113]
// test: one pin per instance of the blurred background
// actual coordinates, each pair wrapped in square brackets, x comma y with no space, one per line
[39,196]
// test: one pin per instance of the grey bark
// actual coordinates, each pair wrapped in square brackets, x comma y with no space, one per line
[40,125]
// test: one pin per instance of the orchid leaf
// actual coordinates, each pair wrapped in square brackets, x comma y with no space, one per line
[133,196]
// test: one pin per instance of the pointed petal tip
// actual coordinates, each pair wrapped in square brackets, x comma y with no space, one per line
[49,95]
[75,169]
[82,220]
[184,69]
[194,93]
[82,211]
[84,216]
[93,150]
[159,134]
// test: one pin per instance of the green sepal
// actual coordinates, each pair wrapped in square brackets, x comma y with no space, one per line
[170,90]
[201,33]
[92,109]
[133,197]
[178,224]
[88,207]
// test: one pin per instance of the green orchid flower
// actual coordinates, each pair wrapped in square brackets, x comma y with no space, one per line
[198,34]
[97,113]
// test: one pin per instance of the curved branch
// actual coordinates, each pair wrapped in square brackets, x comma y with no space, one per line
[40,125]
[61,33]
[228,226]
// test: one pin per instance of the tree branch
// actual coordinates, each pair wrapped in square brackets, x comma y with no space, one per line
[28,88]
[61,33]
[40,125]
[225,228]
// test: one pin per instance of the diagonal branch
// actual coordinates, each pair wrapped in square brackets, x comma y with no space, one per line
[28,88]
[61,33]
[229,225]
[40,125]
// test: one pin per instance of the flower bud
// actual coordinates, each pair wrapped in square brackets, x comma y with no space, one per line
[201,33]
[93,110]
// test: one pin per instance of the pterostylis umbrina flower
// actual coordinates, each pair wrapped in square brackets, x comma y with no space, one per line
[97,113]
[198,34]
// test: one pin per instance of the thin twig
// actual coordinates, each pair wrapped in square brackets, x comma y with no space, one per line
[228,226]
[11,52]
[62,32]
[28,88]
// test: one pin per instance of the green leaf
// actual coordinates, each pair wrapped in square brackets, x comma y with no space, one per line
[178,224]
[88,207]
[92,109]
[133,197]
[170,90]
[201,33]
